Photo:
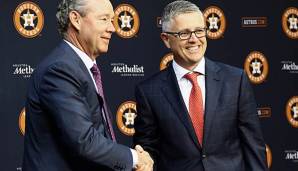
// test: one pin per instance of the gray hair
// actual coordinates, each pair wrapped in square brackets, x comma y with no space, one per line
[64,8]
[176,8]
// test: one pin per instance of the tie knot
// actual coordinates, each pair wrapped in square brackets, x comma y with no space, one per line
[192,77]
[95,69]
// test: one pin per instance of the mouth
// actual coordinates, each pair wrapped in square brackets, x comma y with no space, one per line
[193,49]
[106,39]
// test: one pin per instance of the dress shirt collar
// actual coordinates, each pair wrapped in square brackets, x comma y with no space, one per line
[85,58]
[180,71]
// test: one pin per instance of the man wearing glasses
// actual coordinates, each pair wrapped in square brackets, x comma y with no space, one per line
[197,115]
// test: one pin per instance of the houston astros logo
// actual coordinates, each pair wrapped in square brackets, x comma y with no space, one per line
[28,19]
[126,114]
[256,67]
[164,63]
[215,22]
[290,22]
[22,121]
[269,156]
[292,111]
[126,21]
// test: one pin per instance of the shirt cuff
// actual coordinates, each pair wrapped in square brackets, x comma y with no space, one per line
[134,158]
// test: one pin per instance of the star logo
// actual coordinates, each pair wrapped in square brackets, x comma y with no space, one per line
[256,67]
[130,117]
[126,115]
[292,111]
[268,156]
[215,22]
[28,19]
[290,22]
[295,111]
[22,121]
[165,61]
[126,21]
[293,22]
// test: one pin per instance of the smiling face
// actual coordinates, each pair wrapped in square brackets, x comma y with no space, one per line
[94,29]
[187,53]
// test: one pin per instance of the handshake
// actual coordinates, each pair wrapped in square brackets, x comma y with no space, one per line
[145,162]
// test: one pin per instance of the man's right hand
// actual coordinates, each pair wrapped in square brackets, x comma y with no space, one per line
[145,162]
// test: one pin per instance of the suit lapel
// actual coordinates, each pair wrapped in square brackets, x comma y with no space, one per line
[77,61]
[213,88]
[172,92]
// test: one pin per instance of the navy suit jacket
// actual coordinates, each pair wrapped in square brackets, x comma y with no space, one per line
[64,125]
[232,135]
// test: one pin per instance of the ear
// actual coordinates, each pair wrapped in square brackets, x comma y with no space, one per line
[75,20]
[165,38]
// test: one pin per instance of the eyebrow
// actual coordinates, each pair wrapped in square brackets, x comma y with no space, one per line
[106,15]
[196,28]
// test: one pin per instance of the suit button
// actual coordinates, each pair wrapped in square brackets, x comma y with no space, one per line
[204,156]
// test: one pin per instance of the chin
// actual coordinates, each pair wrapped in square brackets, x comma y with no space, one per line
[196,60]
[103,50]
[196,57]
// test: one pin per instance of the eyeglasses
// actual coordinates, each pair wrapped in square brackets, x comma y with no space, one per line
[185,35]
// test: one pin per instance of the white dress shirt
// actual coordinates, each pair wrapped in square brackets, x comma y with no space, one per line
[185,85]
[85,58]
[89,63]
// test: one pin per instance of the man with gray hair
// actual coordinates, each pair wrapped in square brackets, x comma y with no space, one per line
[197,115]
[68,121]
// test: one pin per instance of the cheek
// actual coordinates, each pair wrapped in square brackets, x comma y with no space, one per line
[204,41]
[178,46]
[204,47]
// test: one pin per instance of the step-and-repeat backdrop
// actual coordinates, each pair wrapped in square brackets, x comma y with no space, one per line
[259,36]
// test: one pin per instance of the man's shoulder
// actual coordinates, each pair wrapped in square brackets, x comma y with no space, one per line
[62,55]
[62,59]
[223,67]
[156,78]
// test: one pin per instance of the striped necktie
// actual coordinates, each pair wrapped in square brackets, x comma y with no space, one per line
[97,77]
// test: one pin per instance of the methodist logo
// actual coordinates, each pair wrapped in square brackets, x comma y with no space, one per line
[291,155]
[126,21]
[292,111]
[127,70]
[256,67]
[215,22]
[290,22]
[24,70]
[126,114]
[164,63]
[28,19]
[289,66]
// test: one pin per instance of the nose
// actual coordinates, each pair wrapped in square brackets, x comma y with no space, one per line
[111,27]
[193,38]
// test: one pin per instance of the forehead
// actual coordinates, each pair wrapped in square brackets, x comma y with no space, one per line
[100,7]
[186,21]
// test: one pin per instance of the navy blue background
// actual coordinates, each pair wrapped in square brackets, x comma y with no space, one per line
[146,49]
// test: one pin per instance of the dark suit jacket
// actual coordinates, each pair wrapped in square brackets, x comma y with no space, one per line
[232,135]
[64,125]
